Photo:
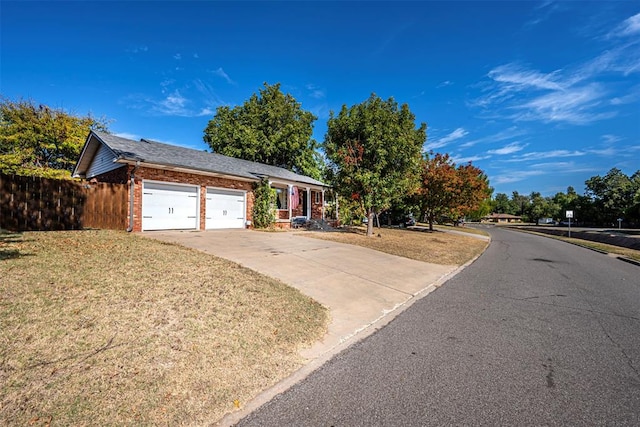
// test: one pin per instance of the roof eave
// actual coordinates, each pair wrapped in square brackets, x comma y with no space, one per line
[177,168]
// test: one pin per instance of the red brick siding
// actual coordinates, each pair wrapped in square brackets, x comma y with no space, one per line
[282,214]
[116,176]
[122,175]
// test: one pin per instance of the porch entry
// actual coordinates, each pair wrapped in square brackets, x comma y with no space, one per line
[305,203]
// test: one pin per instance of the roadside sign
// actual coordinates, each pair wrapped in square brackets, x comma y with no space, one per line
[569,214]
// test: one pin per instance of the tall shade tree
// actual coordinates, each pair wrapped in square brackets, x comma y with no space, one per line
[373,153]
[271,128]
[37,140]
[501,204]
[473,191]
[447,190]
[613,195]
[439,184]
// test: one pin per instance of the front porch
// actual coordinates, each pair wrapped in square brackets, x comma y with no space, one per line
[297,204]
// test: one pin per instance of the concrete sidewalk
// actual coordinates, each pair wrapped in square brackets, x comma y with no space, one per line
[361,287]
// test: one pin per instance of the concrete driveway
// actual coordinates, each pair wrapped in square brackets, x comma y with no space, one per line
[361,287]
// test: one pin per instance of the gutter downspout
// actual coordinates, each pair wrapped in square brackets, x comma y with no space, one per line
[131,195]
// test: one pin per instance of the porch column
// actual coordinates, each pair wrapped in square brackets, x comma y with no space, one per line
[309,215]
[289,191]
[322,201]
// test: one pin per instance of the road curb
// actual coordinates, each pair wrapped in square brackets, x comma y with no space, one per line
[629,260]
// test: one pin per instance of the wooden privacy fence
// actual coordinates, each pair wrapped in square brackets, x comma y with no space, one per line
[39,204]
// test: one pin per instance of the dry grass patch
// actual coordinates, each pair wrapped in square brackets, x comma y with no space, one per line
[108,328]
[435,247]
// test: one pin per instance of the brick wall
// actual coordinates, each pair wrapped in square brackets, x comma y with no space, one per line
[116,176]
[122,175]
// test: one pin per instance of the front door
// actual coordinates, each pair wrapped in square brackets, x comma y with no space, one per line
[305,203]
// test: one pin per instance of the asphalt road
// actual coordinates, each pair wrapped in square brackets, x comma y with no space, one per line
[535,332]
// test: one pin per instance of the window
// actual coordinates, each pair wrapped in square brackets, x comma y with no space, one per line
[281,199]
[317,199]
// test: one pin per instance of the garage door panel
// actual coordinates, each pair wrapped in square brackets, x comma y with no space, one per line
[225,209]
[168,206]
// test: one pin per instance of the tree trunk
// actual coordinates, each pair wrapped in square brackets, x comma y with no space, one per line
[370,216]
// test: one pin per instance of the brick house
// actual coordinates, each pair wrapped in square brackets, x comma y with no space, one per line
[502,218]
[177,188]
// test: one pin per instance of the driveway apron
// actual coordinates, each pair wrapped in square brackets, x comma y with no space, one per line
[359,286]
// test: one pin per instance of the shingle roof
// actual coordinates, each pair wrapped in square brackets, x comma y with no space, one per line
[158,153]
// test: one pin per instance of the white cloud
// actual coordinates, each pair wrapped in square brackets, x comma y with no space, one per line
[576,94]
[193,99]
[211,98]
[468,159]
[516,77]
[610,139]
[515,176]
[221,73]
[315,91]
[445,140]
[126,135]
[177,56]
[609,151]
[543,11]
[207,112]
[633,95]
[509,133]
[628,27]
[537,155]
[575,106]
[138,49]
[172,105]
[444,84]
[514,147]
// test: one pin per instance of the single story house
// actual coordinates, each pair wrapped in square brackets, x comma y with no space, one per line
[502,218]
[177,188]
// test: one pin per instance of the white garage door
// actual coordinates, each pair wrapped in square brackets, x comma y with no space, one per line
[169,206]
[225,208]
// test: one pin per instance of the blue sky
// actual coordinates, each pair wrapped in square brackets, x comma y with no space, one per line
[540,95]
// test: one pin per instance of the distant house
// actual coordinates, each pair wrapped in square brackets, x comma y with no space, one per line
[177,188]
[502,218]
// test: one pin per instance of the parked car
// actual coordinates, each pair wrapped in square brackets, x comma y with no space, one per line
[396,218]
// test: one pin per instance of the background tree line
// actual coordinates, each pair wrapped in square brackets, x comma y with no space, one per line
[371,155]
[606,198]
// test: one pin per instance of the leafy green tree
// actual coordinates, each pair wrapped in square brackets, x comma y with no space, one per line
[271,128]
[564,202]
[633,211]
[613,195]
[373,152]
[541,207]
[501,204]
[519,204]
[484,209]
[37,140]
